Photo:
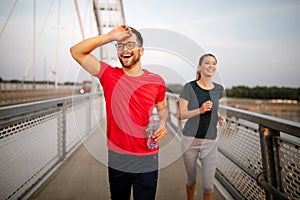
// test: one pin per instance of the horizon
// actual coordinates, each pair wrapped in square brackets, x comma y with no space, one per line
[20,81]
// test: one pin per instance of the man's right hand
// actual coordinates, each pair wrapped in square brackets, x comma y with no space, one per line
[81,52]
[120,33]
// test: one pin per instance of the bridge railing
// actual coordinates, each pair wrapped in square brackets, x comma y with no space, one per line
[35,138]
[259,155]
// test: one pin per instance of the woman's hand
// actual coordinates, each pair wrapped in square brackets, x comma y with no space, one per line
[222,121]
[206,107]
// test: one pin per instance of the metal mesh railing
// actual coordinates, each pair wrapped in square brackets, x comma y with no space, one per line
[259,156]
[289,154]
[242,145]
[245,185]
[27,152]
[36,137]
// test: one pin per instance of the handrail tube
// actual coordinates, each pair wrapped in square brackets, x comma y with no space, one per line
[281,125]
[19,109]
[5,123]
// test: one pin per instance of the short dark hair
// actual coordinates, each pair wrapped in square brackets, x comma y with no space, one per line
[138,35]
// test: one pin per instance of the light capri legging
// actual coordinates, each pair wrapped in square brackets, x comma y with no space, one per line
[206,151]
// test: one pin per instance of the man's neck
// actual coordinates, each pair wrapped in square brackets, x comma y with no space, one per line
[133,71]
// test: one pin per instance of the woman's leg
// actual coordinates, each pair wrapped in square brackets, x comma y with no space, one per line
[208,158]
[190,162]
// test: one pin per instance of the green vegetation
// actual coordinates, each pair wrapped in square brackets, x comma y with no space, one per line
[36,82]
[259,92]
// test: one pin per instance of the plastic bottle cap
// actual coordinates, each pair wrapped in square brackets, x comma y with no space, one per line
[154,111]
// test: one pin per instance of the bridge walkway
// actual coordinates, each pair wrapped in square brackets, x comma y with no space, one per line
[83,175]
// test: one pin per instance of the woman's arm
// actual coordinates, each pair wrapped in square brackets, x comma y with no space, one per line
[222,120]
[184,113]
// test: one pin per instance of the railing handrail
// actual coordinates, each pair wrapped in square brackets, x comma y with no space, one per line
[18,109]
[276,123]
[279,124]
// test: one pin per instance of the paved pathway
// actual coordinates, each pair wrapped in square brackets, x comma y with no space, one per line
[84,176]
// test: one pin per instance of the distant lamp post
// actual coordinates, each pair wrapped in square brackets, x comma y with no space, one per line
[34,43]
[57,44]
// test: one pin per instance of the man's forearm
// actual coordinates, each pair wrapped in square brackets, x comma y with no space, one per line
[163,116]
[81,50]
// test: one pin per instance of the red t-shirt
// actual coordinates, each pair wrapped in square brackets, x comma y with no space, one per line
[129,102]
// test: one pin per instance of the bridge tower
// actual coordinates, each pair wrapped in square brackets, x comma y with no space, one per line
[108,14]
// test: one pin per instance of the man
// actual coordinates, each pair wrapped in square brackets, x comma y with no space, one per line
[130,93]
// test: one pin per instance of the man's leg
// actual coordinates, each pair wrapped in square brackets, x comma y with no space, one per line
[120,179]
[144,187]
[145,181]
[119,184]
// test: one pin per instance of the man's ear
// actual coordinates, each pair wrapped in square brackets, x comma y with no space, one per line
[142,51]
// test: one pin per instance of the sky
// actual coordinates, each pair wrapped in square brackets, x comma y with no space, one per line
[256,42]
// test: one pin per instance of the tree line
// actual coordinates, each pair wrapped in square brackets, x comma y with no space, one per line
[260,92]
[36,82]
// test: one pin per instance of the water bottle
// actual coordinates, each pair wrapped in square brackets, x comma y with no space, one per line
[153,126]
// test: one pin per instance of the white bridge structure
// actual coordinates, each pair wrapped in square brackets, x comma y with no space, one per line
[259,155]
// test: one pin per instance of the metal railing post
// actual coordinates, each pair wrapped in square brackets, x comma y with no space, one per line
[268,159]
[178,120]
[168,108]
[64,132]
[277,160]
[89,117]
[61,132]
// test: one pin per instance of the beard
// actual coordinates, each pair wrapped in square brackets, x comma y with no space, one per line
[134,60]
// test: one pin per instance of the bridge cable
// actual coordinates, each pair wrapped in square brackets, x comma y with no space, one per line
[6,22]
[29,60]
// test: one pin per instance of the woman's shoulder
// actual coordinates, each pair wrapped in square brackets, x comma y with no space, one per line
[187,88]
[218,86]
[190,83]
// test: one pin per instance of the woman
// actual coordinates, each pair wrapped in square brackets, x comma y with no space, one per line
[199,103]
